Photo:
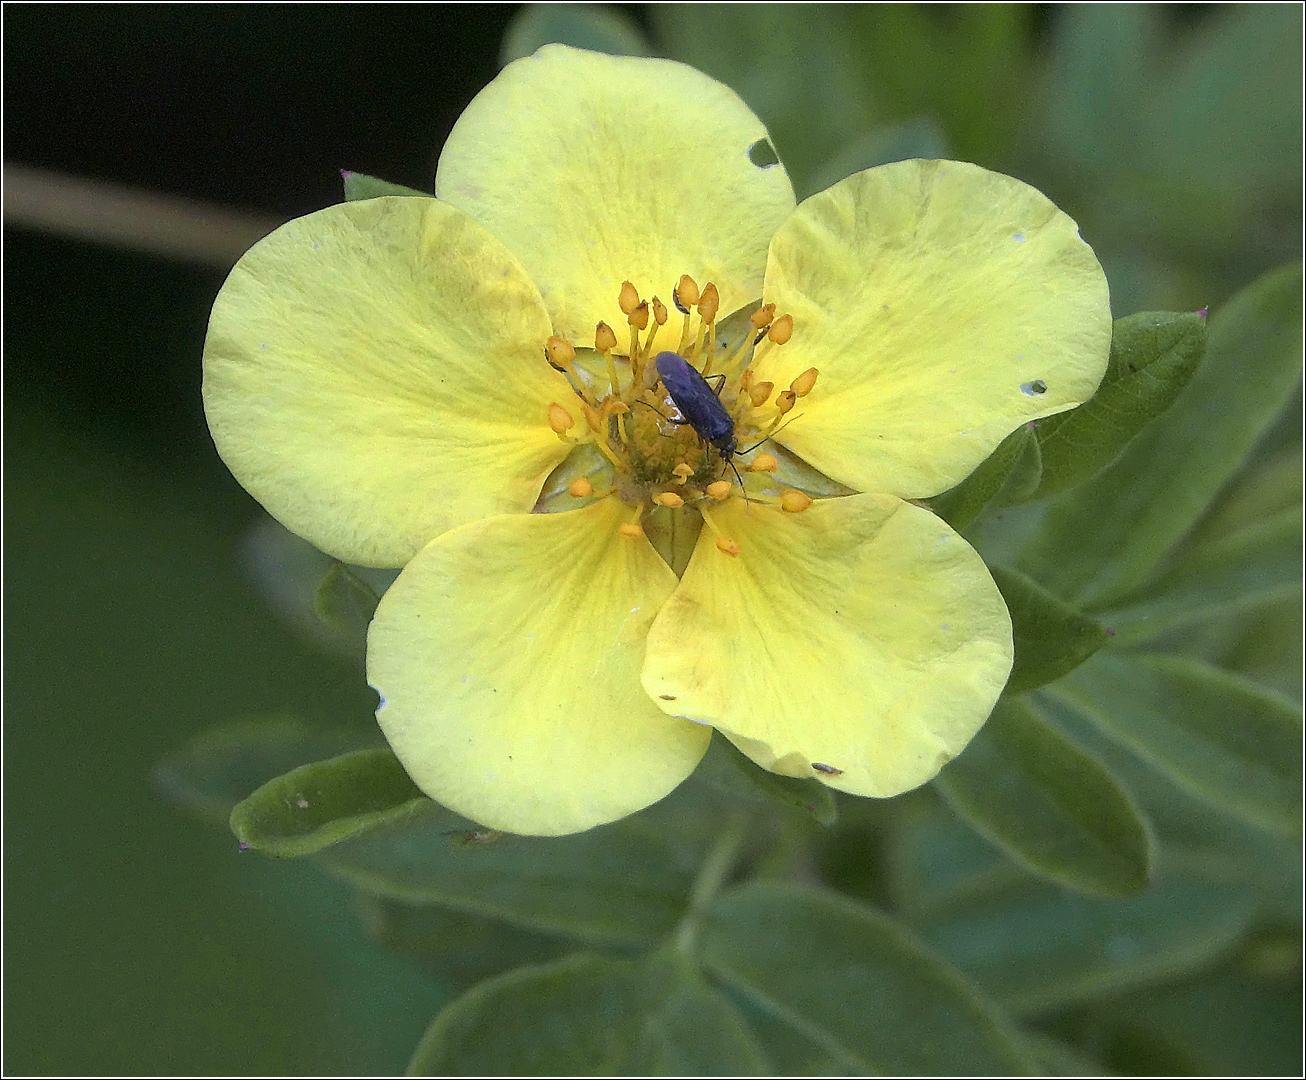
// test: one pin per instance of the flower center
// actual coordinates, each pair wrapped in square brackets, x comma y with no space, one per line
[671,412]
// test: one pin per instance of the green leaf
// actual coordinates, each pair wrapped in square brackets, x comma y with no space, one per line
[596,27]
[1042,948]
[590,1016]
[795,65]
[726,769]
[1211,732]
[225,764]
[1049,805]
[619,883]
[457,948]
[1050,637]
[316,805]
[346,603]
[921,137]
[1006,476]
[1102,540]
[1153,355]
[1245,569]
[1194,838]
[1224,1023]
[856,983]
[361,186]
[1059,1059]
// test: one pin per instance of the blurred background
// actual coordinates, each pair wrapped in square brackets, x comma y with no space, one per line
[141,941]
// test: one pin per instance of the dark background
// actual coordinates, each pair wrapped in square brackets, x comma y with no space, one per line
[138,940]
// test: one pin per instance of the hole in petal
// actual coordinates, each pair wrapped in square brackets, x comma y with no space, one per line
[1034,388]
[762,154]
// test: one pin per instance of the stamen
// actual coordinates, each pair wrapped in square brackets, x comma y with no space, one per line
[683,471]
[763,463]
[708,303]
[632,529]
[629,298]
[719,489]
[781,330]
[559,353]
[723,543]
[785,401]
[560,420]
[605,340]
[762,316]
[686,293]
[592,416]
[802,386]
[778,333]
[669,499]
[759,392]
[580,488]
[794,502]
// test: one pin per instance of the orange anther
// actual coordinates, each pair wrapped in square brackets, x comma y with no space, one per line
[630,529]
[580,488]
[708,303]
[781,330]
[794,502]
[659,311]
[719,489]
[592,416]
[639,317]
[560,419]
[763,463]
[725,544]
[669,499]
[802,386]
[687,290]
[683,472]
[559,353]
[605,339]
[628,301]
[746,379]
[762,316]
[759,392]
[785,401]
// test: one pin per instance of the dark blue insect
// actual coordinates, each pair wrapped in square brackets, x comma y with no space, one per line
[698,404]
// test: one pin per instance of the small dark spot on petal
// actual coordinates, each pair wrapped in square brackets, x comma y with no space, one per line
[762,154]
[667,697]
[828,769]
[1034,388]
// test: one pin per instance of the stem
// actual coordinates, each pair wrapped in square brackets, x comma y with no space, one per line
[711,876]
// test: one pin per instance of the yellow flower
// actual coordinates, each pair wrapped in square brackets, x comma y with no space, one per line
[394,380]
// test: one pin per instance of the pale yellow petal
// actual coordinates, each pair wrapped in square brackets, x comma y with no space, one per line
[374,375]
[598,169]
[507,657]
[943,305]
[862,635]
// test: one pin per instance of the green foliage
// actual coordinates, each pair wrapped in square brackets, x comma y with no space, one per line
[585,26]
[361,186]
[617,884]
[590,1016]
[1049,805]
[1212,732]
[1103,540]
[315,805]
[226,764]
[728,770]
[1007,475]
[1050,637]
[346,603]
[855,983]
[1153,355]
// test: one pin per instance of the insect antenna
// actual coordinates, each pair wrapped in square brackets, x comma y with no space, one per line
[771,436]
